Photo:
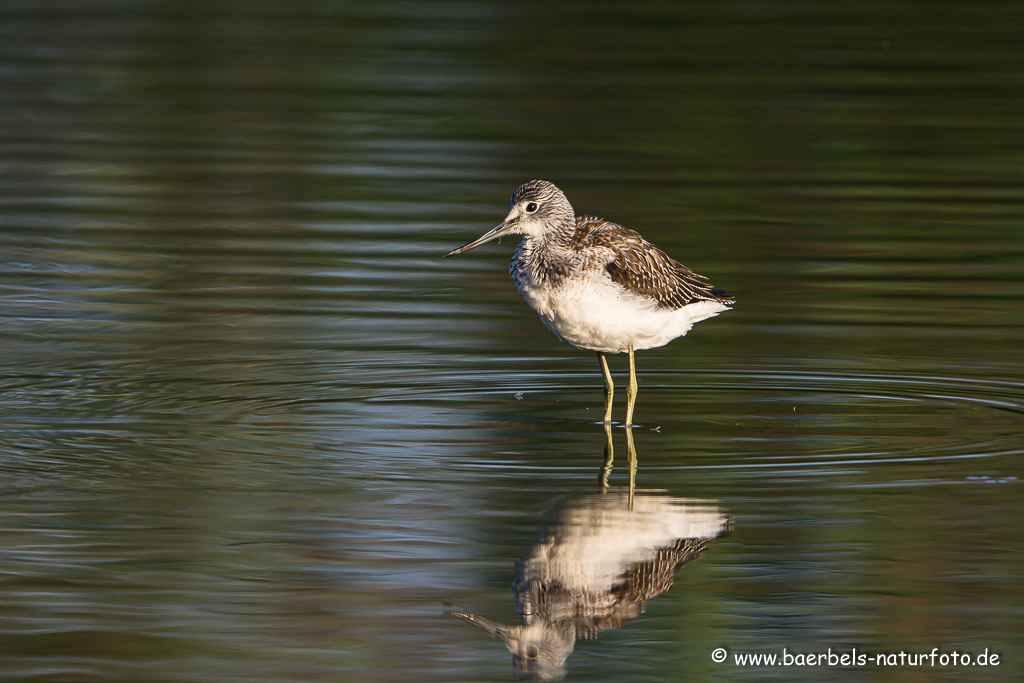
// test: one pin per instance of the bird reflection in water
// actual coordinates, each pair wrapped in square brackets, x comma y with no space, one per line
[593,568]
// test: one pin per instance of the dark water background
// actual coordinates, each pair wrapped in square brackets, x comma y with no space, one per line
[252,428]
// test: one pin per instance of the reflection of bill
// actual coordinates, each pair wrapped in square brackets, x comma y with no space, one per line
[594,567]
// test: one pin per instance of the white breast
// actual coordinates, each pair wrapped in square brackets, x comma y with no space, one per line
[594,313]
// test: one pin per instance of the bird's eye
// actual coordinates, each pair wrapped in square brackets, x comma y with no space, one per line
[531,207]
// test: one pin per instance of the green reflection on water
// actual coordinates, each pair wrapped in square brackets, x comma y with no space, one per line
[253,428]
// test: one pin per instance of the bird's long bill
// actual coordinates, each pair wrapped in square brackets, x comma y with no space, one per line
[492,234]
[493,629]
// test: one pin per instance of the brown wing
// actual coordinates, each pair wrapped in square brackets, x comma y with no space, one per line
[643,268]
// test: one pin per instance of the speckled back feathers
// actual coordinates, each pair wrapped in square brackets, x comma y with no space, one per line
[642,268]
[628,259]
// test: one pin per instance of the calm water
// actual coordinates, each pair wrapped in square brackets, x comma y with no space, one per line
[254,429]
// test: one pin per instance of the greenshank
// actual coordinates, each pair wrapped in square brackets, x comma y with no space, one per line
[597,285]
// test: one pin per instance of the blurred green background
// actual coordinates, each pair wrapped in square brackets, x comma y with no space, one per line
[253,428]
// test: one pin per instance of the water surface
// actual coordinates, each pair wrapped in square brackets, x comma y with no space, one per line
[253,428]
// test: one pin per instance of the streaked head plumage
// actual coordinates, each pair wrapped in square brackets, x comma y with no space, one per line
[537,208]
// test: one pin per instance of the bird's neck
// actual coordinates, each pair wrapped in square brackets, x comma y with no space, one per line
[548,257]
[553,241]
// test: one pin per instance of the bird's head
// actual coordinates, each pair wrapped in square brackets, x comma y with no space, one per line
[539,649]
[536,208]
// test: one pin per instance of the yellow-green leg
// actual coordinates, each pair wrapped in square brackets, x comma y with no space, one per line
[609,388]
[632,464]
[609,457]
[631,390]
